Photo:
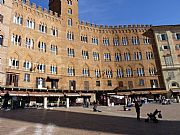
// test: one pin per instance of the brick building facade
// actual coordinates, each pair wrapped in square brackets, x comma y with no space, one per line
[52,51]
[168,44]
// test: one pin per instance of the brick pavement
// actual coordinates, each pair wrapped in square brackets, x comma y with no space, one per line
[83,121]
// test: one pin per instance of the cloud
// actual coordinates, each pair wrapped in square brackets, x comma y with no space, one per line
[98,6]
[100,10]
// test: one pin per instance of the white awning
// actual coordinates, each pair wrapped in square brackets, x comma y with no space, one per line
[72,94]
[55,95]
[86,94]
[18,94]
[124,93]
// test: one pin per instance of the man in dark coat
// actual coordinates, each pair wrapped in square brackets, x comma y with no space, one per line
[137,106]
[6,99]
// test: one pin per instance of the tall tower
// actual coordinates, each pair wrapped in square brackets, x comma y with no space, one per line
[55,5]
[65,8]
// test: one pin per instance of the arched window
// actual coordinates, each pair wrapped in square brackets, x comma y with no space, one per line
[1,40]
[85,71]
[140,71]
[174,84]
[42,46]
[96,56]
[124,41]
[118,56]
[69,22]
[70,35]
[107,56]
[85,54]
[71,71]
[116,41]
[29,43]
[120,73]
[69,2]
[106,41]
[53,69]
[95,40]
[135,40]
[137,56]
[152,70]
[97,73]
[18,19]
[41,67]
[127,56]
[109,73]
[27,65]
[70,11]
[129,72]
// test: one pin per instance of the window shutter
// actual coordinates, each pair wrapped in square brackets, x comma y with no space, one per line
[17,63]
[74,85]
[72,36]
[56,70]
[177,47]
[36,82]
[24,65]
[28,77]
[39,27]
[159,37]
[67,36]
[21,20]
[10,62]
[74,72]
[27,23]
[57,33]
[44,67]
[14,19]
[29,64]
[39,44]
[33,25]
[169,47]
[1,40]
[19,40]
[161,48]
[12,38]
[70,84]
[46,29]
[86,85]
[166,37]
[43,83]
[45,47]
[174,36]
[8,79]
[16,81]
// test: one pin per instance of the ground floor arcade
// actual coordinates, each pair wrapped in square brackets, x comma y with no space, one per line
[45,99]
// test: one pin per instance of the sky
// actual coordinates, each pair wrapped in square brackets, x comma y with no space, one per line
[123,12]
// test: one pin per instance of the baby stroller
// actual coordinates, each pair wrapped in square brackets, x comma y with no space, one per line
[152,116]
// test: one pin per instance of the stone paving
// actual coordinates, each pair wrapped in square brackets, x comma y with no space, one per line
[83,121]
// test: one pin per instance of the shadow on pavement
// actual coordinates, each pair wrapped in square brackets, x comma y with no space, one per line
[93,122]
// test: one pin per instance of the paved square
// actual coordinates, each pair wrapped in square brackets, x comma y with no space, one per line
[83,121]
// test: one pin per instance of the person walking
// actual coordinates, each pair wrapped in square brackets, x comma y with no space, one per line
[94,106]
[6,99]
[137,107]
